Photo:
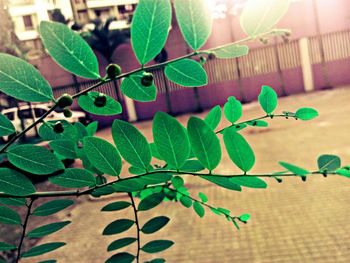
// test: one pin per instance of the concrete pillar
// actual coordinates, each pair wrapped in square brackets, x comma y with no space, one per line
[306,64]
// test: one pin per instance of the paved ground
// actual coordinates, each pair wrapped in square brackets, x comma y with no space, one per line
[291,222]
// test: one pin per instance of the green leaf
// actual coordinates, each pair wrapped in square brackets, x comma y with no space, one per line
[213,117]
[258,123]
[112,107]
[150,201]
[128,186]
[6,126]
[230,51]
[149,29]
[42,249]
[65,148]
[198,208]
[15,183]
[233,109]
[52,207]
[13,201]
[186,201]
[268,99]
[131,144]
[118,226]
[92,128]
[69,49]
[306,114]
[261,16]
[203,197]
[195,21]
[123,242]
[22,81]
[187,73]
[155,152]
[9,216]
[156,260]
[34,159]
[177,182]
[5,246]
[155,224]
[122,257]
[48,261]
[328,162]
[239,150]
[74,178]
[294,169]
[249,181]
[223,182]
[205,144]
[81,130]
[343,172]
[47,133]
[132,87]
[156,246]
[244,217]
[103,155]
[192,166]
[171,139]
[155,178]
[116,206]
[47,229]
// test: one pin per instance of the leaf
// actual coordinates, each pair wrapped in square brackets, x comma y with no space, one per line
[155,224]
[69,49]
[123,242]
[233,109]
[122,257]
[150,201]
[343,172]
[268,99]
[195,21]
[47,229]
[203,197]
[103,155]
[52,207]
[239,150]
[9,216]
[187,73]
[156,246]
[223,182]
[74,178]
[155,178]
[249,181]
[198,208]
[205,144]
[6,126]
[13,201]
[48,261]
[149,29]
[15,183]
[177,182]
[213,117]
[258,123]
[131,144]
[230,51]
[244,217]
[22,80]
[192,166]
[155,152]
[186,201]
[42,249]
[47,133]
[116,206]
[171,139]
[156,260]
[294,169]
[261,16]
[5,246]
[306,114]
[327,162]
[118,226]
[131,185]
[92,128]
[132,87]
[65,148]
[112,107]
[34,159]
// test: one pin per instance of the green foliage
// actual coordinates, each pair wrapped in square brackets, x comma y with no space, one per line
[88,102]
[12,182]
[5,246]
[14,201]
[195,21]
[222,181]
[69,50]
[74,178]
[157,246]
[6,126]
[328,163]
[155,224]
[150,201]
[47,132]
[231,51]
[22,81]
[52,207]
[47,229]
[64,147]
[268,99]
[306,114]
[294,169]
[120,243]
[133,88]
[9,216]
[43,249]
[213,117]
[248,181]
[186,72]
[150,28]
[122,257]
[116,206]
[233,109]
[118,226]
[198,208]
[170,139]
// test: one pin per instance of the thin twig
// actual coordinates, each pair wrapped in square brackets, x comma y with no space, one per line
[137,228]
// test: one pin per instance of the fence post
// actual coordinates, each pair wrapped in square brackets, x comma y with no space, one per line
[306,64]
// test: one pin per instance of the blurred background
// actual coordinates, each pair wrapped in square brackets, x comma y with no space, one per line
[291,222]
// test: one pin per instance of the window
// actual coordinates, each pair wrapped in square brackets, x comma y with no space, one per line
[28,22]
[10,115]
[38,112]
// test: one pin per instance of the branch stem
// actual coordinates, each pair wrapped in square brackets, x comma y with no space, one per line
[137,228]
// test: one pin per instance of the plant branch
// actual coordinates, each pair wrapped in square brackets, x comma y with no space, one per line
[137,228]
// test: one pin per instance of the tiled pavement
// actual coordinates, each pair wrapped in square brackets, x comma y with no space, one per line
[291,222]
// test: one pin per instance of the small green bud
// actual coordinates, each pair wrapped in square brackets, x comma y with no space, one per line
[147,79]
[113,71]
[67,112]
[100,101]
[65,100]
[58,127]
[202,60]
